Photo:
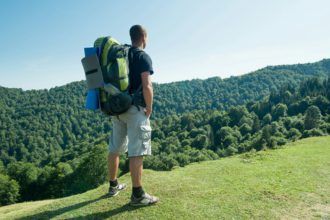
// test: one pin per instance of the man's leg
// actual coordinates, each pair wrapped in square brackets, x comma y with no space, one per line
[113,163]
[117,145]
[139,144]
[136,169]
[139,197]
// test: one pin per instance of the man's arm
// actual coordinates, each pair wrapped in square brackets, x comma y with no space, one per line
[147,92]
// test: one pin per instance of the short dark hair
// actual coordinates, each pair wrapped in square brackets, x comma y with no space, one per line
[137,32]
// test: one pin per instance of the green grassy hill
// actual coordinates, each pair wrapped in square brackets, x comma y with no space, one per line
[288,183]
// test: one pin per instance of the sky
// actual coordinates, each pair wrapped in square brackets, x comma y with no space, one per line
[42,41]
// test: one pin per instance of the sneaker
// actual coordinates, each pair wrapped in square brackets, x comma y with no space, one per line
[144,200]
[113,191]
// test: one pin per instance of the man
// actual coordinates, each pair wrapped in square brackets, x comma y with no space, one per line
[131,130]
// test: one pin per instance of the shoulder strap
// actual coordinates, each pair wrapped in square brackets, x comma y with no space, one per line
[104,41]
[131,55]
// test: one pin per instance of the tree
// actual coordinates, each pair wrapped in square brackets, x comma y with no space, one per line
[2,168]
[9,190]
[231,150]
[229,141]
[267,119]
[294,134]
[187,120]
[245,129]
[183,159]
[200,142]
[266,135]
[169,161]
[256,123]
[280,110]
[222,134]
[313,132]
[91,172]
[312,117]
[236,113]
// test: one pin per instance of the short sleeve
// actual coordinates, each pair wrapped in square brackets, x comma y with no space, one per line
[146,64]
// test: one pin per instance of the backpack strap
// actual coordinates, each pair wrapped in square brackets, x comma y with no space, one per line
[135,94]
[130,60]
[101,48]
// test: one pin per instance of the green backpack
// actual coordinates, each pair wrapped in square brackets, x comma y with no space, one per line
[114,61]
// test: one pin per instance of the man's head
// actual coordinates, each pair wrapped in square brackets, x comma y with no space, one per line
[138,36]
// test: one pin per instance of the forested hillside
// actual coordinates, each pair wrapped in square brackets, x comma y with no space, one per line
[220,94]
[50,146]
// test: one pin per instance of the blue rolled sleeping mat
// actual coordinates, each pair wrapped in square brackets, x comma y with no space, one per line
[94,77]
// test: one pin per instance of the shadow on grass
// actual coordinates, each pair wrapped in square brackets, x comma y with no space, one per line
[60,211]
[108,214]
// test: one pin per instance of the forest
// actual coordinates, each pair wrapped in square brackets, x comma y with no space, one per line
[50,146]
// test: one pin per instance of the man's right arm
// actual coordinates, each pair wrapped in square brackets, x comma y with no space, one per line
[147,92]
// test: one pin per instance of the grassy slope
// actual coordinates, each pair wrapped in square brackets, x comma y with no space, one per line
[289,183]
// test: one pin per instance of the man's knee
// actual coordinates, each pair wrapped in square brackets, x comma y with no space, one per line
[133,158]
[112,155]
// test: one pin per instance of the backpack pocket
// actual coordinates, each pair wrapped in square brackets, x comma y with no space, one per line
[116,73]
[123,73]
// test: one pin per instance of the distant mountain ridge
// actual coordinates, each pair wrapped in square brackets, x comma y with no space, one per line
[60,115]
[60,111]
[217,93]
[252,86]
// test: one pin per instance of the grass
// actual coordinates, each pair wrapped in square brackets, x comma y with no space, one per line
[288,183]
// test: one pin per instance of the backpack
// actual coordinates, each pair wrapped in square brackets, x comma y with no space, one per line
[114,97]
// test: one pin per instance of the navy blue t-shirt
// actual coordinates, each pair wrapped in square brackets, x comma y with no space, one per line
[140,63]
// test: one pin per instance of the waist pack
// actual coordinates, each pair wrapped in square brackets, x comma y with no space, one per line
[113,57]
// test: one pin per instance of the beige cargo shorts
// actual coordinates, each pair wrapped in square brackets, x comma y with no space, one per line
[131,132]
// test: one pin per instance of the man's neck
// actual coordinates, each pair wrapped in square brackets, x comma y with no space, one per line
[140,46]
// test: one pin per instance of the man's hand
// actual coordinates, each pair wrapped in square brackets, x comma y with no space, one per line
[148,111]
[147,92]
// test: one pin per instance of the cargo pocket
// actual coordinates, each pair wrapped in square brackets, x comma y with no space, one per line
[146,135]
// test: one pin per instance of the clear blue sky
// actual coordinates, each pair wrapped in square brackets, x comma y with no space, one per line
[42,41]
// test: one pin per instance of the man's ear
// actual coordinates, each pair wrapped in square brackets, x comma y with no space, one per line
[144,41]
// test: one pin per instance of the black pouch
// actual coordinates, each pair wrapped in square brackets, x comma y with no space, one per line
[117,104]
